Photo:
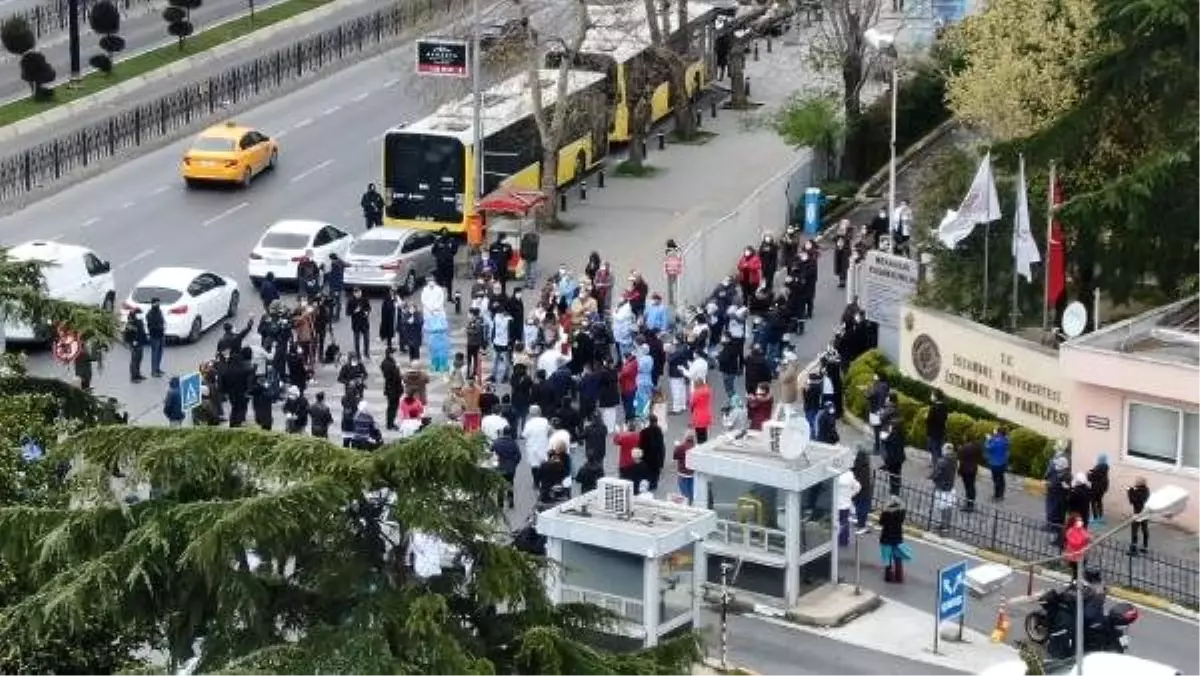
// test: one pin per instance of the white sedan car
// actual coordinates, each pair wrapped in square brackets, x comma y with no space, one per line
[285,244]
[191,300]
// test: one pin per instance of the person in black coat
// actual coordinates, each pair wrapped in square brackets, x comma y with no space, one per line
[522,393]
[654,450]
[508,457]
[261,401]
[595,437]
[841,254]
[582,347]
[589,391]
[1079,499]
[891,437]
[409,324]
[387,318]
[758,370]
[935,425]
[1098,479]
[768,253]
[358,308]
[393,387]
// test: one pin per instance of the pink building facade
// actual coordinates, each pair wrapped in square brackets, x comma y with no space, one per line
[1135,396]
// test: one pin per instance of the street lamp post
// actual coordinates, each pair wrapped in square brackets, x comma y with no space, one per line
[885,44]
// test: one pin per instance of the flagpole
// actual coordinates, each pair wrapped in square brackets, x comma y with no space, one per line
[1016,237]
[1049,245]
[987,237]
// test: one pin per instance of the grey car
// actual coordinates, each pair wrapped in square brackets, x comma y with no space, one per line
[384,258]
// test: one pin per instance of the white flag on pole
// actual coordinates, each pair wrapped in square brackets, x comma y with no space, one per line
[981,205]
[1025,249]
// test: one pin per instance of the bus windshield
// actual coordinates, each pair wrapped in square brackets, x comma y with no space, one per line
[425,176]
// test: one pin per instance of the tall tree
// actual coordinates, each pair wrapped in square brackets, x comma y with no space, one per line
[1128,151]
[254,552]
[1022,62]
[553,121]
[671,49]
[839,44]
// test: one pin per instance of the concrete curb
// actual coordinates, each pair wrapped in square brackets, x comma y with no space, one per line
[715,665]
[1116,591]
[173,70]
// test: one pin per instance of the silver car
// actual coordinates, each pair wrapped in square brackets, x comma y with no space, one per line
[384,258]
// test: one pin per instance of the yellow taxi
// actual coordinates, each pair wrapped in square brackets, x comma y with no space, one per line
[228,153]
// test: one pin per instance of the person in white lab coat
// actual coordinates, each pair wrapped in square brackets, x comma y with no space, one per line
[847,487]
[537,442]
[433,298]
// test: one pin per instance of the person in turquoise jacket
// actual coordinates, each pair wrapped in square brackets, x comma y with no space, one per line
[645,381]
[996,450]
[658,315]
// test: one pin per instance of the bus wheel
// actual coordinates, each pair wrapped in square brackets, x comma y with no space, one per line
[580,165]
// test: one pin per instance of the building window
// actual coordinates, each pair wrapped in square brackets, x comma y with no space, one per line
[1163,434]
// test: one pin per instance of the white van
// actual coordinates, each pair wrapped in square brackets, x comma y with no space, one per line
[1094,664]
[72,273]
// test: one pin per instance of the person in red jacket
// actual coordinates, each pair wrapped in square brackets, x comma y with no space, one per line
[1076,543]
[750,272]
[760,406]
[626,440]
[627,381]
[684,474]
[700,406]
[411,408]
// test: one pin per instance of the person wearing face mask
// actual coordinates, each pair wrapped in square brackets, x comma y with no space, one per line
[768,253]
[750,272]
[841,253]
[602,286]
[808,279]
[891,436]
[879,227]
[789,246]
[903,229]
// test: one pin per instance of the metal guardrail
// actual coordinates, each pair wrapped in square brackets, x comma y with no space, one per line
[149,122]
[622,607]
[1028,539]
[52,17]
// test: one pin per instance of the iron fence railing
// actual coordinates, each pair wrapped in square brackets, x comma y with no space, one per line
[58,158]
[1029,539]
[52,16]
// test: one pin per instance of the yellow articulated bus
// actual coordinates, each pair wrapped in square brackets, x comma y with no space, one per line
[429,166]
[618,45]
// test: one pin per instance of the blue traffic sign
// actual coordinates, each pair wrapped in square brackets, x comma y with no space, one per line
[189,390]
[952,591]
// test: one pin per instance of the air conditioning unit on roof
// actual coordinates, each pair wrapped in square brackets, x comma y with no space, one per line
[616,496]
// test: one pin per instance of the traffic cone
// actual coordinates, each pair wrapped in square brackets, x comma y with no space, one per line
[1000,632]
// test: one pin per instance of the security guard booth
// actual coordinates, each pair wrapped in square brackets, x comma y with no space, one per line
[773,493]
[631,555]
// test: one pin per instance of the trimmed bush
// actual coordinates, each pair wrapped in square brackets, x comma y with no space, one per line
[1029,451]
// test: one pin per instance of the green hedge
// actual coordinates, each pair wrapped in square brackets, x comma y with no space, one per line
[1029,451]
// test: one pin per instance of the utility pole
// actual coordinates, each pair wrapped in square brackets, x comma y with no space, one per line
[477,113]
[73,32]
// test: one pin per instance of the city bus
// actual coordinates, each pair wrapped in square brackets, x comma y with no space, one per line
[429,166]
[618,45]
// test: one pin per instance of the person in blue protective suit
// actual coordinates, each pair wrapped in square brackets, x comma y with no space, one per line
[645,381]
[437,337]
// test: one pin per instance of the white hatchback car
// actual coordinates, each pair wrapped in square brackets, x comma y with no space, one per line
[71,273]
[192,300]
[284,244]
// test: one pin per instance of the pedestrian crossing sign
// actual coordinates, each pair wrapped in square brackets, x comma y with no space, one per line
[189,390]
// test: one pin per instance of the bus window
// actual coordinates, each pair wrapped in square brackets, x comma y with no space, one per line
[424,175]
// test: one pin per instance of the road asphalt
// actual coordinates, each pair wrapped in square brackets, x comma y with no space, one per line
[140,216]
[212,65]
[143,29]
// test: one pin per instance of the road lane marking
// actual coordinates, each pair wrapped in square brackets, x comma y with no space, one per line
[55,238]
[281,134]
[90,222]
[302,123]
[127,205]
[309,172]
[160,190]
[145,254]
[331,110]
[360,97]
[228,212]
[389,83]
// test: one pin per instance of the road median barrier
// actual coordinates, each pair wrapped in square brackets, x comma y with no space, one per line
[95,88]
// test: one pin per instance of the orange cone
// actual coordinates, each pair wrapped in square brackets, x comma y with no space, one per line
[1000,632]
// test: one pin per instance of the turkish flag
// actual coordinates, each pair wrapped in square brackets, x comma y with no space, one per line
[1056,279]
